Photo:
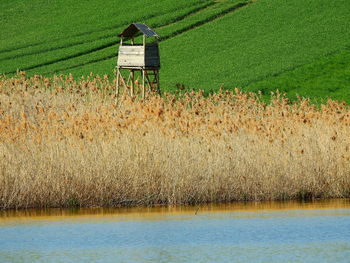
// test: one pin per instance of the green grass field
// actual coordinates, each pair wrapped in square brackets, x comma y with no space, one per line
[301,47]
[51,38]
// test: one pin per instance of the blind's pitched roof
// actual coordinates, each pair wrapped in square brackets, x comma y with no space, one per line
[134,28]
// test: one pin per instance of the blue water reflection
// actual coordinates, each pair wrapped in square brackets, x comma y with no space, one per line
[314,235]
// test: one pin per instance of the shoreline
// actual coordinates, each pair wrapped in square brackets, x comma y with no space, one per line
[270,205]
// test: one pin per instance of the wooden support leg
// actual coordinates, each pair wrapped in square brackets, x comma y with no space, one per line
[117,88]
[148,81]
[121,78]
[127,84]
[132,83]
[143,84]
[156,74]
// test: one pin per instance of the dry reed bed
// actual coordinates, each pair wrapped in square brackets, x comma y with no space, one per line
[66,142]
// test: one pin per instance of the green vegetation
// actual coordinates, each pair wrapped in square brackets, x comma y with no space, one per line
[327,77]
[76,33]
[257,43]
[300,47]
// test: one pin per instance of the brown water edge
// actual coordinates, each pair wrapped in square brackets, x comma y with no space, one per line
[161,212]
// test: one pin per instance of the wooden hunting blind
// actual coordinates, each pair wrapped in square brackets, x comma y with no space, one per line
[142,58]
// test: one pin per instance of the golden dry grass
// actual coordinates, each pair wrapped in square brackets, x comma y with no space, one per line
[67,142]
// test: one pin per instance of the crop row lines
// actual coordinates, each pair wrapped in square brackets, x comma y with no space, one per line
[184,29]
[74,43]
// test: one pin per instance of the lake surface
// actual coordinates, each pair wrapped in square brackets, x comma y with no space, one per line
[239,232]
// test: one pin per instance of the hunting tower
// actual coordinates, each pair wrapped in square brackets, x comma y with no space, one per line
[138,58]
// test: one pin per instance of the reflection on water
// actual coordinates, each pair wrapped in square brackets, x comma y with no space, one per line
[162,212]
[239,232]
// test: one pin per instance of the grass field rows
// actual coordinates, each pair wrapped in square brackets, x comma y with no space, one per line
[326,77]
[86,37]
[111,15]
[70,48]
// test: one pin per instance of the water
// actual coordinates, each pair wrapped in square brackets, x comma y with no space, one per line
[253,232]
